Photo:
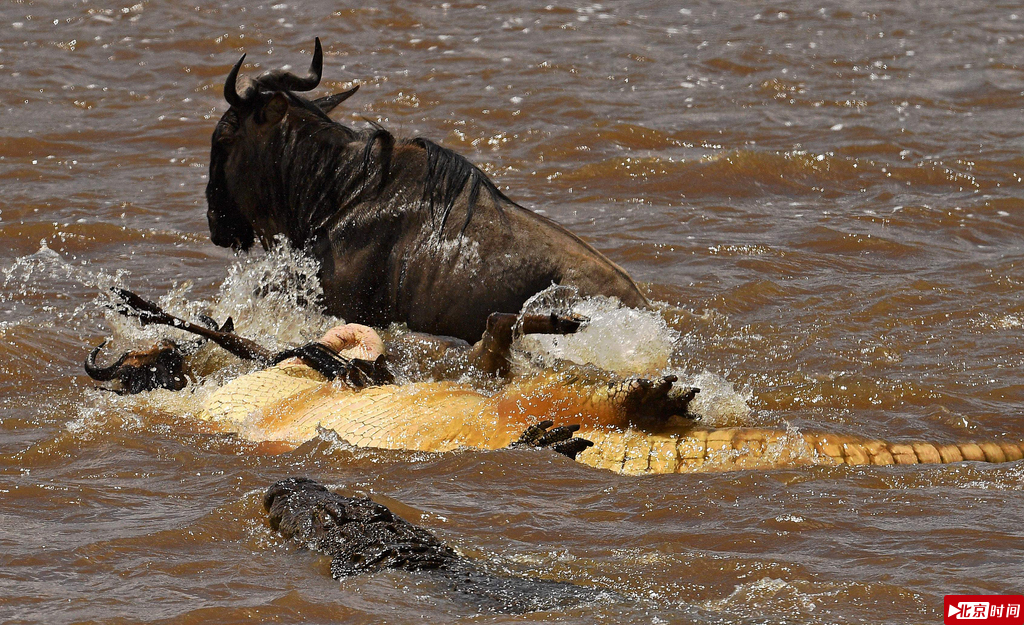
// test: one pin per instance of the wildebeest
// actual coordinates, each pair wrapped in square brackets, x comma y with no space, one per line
[404,229]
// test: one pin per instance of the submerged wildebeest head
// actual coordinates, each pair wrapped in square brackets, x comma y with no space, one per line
[403,229]
[159,366]
[162,365]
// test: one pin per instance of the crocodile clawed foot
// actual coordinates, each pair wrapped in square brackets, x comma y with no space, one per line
[657,399]
[560,439]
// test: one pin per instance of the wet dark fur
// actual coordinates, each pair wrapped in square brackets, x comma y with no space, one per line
[404,229]
[366,172]
[363,537]
[159,366]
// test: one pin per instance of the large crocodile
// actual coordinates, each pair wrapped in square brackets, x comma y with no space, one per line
[362,536]
[638,426]
[290,402]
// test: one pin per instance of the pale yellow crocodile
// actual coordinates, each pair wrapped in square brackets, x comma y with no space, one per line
[288,402]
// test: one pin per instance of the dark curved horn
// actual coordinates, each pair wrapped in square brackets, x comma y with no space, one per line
[102,374]
[230,94]
[279,80]
[329,102]
[316,69]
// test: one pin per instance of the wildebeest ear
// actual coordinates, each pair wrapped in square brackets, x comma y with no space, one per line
[275,109]
[327,103]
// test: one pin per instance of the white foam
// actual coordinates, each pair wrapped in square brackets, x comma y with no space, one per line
[617,338]
[629,342]
[766,597]
[718,403]
[274,298]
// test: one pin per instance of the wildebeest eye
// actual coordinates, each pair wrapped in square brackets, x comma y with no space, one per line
[224,134]
[224,139]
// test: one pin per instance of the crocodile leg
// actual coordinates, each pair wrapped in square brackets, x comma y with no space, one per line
[560,439]
[653,400]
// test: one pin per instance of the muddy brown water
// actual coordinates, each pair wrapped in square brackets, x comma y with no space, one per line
[825,196]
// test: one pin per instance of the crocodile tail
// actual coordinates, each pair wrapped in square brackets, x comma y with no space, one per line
[633,452]
[850,450]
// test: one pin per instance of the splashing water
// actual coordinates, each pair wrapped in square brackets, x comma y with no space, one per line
[719,403]
[38,282]
[766,596]
[620,339]
[629,342]
[275,298]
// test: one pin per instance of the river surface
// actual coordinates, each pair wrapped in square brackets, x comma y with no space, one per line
[824,197]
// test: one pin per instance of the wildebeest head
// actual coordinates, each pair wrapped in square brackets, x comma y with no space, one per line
[159,366]
[242,152]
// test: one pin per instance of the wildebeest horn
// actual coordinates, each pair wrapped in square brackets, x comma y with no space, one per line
[316,69]
[102,374]
[230,94]
[279,80]
[328,102]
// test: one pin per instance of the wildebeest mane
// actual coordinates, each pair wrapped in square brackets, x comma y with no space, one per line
[448,173]
[337,179]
